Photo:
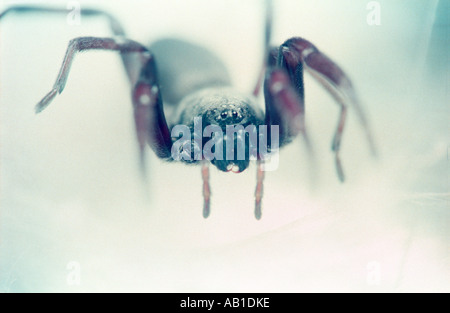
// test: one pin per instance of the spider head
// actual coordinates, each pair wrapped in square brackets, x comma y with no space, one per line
[234,118]
[229,126]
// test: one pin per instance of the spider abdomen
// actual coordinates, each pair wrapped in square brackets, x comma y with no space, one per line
[184,68]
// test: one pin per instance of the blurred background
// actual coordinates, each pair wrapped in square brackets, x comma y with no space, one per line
[75,216]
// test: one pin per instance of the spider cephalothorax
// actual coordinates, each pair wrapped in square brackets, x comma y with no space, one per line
[223,127]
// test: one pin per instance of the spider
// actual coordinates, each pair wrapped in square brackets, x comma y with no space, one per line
[196,88]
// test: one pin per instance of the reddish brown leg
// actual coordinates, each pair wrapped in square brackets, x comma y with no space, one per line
[131,62]
[297,53]
[151,125]
[259,189]
[83,44]
[206,189]
[149,118]
[283,105]
[336,146]
[284,96]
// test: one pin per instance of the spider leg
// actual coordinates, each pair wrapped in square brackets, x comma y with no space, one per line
[283,105]
[269,59]
[131,64]
[206,189]
[259,189]
[145,117]
[284,98]
[296,53]
[80,44]
[150,122]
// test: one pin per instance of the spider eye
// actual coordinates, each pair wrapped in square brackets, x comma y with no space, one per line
[235,114]
[224,114]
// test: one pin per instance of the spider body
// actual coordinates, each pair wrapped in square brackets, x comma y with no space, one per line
[195,83]
[182,88]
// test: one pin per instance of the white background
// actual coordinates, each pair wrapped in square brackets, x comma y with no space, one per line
[70,188]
